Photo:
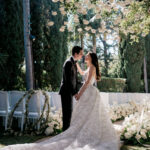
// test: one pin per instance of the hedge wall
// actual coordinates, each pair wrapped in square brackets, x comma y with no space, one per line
[112,85]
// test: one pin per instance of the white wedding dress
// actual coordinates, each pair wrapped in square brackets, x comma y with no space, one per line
[90,129]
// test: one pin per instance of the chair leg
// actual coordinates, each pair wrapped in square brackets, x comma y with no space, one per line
[22,123]
[6,121]
[38,126]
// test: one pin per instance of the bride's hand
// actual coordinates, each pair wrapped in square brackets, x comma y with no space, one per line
[77,96]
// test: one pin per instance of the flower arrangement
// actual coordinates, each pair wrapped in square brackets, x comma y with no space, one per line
[28,127]
[54,122]
[136,127]
[119,112]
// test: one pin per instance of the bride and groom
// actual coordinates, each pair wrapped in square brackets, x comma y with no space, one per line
[87,126]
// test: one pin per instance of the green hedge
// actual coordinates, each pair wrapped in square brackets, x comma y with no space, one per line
[112,85]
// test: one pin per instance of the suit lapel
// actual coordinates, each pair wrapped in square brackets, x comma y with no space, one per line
[73,64]
[72,60]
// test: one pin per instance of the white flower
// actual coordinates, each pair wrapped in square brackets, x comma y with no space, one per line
[62,29]
[144,34]
[87,34]
[98,16]
[79,30]
[54,13]
[87,28]
[53,108]
[49,131]
[70,29]
[76,17]
[51,124]
[77,4]
[93,30]
[51,23]
[84,12]
[63,12]
[86,22]
[91,6]
[76,20]
[111,1]
[86,1]
[62,9]
[143,134]
[68,1]
[128,135]
[99,29]
[98,9]
[55,1]
[138,136]
[65,23]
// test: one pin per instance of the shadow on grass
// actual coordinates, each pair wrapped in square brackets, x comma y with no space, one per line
[127,147]
[10,140]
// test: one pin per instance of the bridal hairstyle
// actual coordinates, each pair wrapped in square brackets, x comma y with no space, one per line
[76,49]
[95,63]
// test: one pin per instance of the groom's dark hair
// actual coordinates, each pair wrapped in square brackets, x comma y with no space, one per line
[76,49]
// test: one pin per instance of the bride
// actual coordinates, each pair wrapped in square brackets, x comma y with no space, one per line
[91,127]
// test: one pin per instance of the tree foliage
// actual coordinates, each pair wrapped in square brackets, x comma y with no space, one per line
[132,56]
[11,44]
[50,45]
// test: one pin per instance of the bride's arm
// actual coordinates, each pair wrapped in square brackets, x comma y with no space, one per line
[79,69]
[85,85]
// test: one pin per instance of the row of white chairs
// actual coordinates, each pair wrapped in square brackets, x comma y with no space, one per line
[8,101]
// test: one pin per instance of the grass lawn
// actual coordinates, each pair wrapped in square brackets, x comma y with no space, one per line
[9,140]
[126,147]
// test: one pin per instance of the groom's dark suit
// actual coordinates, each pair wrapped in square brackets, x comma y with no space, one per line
[68,88]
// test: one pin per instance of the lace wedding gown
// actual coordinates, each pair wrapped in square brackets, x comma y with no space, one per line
[90,129]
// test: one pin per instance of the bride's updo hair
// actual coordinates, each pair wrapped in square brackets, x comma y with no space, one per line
[94,60]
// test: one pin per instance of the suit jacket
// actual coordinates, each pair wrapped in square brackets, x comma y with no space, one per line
[69,80]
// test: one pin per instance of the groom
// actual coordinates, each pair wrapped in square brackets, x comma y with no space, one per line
[68,86]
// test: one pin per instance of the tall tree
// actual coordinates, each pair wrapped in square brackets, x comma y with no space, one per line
[50,45]
[37,30]
[11,43]
[132,56]
[147,46]
[56,50]
[146,66]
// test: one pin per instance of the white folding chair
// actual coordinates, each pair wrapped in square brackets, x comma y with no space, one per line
[4,106]
[20,110]
[51,101]
[113,98]
[35,107]
[55,100]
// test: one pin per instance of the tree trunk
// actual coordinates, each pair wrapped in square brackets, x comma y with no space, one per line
[94,43]
[27,44]
[145,75]
[83,58]
[105,58]
[94,49]
[82,43]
